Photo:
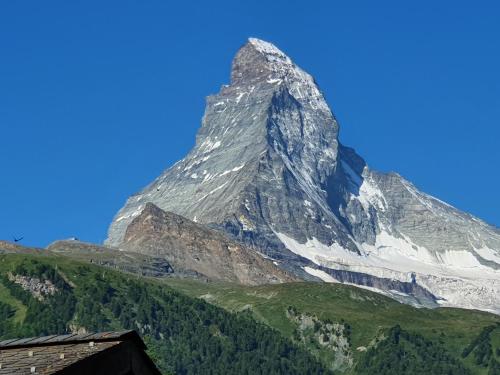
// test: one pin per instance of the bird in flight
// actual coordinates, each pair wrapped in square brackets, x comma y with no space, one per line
[17,239]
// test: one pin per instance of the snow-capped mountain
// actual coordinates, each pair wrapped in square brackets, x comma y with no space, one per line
[268,169]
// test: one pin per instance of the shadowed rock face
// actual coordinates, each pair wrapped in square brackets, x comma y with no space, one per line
[269,171]
[190,246]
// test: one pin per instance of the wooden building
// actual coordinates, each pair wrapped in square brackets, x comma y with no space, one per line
[110,353]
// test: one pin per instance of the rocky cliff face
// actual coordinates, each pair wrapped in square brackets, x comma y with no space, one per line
[193,247]
[268,170]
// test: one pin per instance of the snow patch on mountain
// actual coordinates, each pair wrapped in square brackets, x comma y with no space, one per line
[488,254]
[399,259]
[320,274]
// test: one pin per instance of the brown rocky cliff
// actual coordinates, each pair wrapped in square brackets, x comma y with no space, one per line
[191,246]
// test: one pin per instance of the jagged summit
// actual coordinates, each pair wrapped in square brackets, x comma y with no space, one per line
[269,171]
[256,60]
[272,54]
[267,48]
[260,62]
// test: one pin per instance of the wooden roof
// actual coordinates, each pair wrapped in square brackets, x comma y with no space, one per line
[51,354]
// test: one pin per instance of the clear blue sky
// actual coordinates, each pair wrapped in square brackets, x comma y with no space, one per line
[98,97]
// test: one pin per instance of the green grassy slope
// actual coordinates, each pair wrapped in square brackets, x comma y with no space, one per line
[198,327]
[185,335]
[368,314]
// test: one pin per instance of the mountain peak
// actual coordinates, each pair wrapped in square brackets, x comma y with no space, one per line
[268,170]
[261,64]
[269,50]
[259,60]
[272,112]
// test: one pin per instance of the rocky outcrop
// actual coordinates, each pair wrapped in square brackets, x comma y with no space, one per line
[323,338]
[190,246]
[37,287]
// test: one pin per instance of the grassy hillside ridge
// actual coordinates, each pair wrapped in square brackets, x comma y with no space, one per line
[369,315]
[185,335]
[210,327]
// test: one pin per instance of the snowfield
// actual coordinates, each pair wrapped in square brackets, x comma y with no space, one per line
[456,277]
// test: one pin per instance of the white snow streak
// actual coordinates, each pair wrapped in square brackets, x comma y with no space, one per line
[321,274]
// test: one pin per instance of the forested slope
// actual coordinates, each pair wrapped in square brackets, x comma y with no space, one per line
[185,335]
[194,327]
